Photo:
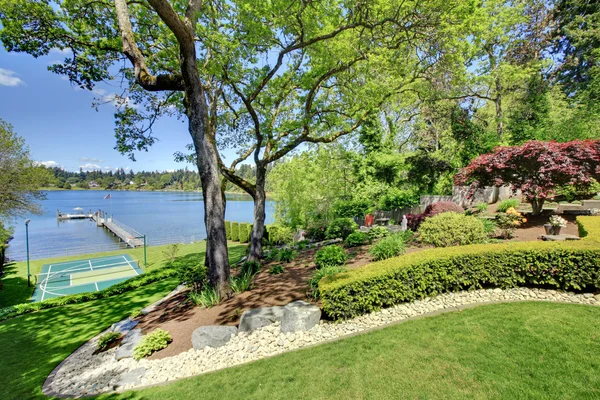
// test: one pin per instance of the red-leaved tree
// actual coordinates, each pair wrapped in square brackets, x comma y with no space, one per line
[536,168]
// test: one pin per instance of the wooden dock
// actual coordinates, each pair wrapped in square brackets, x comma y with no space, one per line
[126,234]
[66,216]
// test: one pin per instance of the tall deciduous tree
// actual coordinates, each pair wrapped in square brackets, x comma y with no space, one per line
[537,169]
[329,72]
[153,46]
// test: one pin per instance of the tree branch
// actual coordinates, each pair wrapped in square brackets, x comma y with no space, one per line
[142,75]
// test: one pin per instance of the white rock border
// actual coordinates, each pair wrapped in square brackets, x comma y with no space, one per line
[85,374]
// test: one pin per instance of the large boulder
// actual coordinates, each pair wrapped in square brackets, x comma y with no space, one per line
[299,316]
[213,336]
[133,377]
[124,326]
[260,317]
[129,342]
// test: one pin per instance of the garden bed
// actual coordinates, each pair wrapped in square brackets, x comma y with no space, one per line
[181,317]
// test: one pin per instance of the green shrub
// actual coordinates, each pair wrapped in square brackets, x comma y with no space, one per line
[249,229]
[122,287]
[136,313]
[242,282]
[251,267]
[489,226]
[571,265]
[302,244]
[316,233]
[107,339]
[235,231]
[272,255]
[286,255]
[378,232]
[228,230]
[276,269]
[244,237]
[504,205]
[388,247]
[356,238]
[279,234]
[192,275]
[319,274]
[206,297]
[481,207]
[340,228]
[452,229]
[328,256]
[156,340]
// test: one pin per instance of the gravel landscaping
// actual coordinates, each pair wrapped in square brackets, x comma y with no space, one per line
[84,373]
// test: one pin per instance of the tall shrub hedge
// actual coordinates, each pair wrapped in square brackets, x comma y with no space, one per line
[243,233]
[235,231]
[563,265]
[228,230]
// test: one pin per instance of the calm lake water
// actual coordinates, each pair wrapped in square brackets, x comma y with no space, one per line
[164,217]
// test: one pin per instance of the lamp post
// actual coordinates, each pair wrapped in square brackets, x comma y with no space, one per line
[27,247]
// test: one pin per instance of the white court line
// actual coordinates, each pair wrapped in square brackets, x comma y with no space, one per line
[96,283]
[134,270]
[92,268]
[44,289]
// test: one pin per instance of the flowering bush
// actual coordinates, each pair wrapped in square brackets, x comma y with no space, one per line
[536,168]
[509,221]
[556,220]
[442,207]
[413,221]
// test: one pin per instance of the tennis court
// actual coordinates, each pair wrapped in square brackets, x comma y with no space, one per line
[86,275]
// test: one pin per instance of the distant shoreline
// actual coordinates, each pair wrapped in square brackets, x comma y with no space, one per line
[55,189]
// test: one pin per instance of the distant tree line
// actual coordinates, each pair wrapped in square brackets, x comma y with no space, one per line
[119,179]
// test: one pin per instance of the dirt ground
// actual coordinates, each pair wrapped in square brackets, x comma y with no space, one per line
[181,317]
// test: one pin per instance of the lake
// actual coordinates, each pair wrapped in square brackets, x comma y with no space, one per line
[164,217]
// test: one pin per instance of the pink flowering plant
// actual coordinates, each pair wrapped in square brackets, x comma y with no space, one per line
[536,168]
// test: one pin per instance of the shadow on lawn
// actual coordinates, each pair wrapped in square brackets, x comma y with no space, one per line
[13,288]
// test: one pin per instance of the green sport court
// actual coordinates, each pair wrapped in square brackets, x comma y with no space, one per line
[86,275]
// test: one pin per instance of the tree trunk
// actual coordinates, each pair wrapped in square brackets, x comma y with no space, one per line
[259,215]
[537,205]
[217,260]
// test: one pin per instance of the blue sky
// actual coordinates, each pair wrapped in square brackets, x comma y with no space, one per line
[60,126]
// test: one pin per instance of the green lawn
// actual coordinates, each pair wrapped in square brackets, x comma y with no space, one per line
[506,351]
[13,285]
[33,344]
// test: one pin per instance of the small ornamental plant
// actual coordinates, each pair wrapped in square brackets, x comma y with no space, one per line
[558,221]
[509,221]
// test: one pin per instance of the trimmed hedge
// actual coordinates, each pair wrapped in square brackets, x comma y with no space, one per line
[228,230]
[122,287]
[250,227]
[243,233]
[235,231]
[562,265]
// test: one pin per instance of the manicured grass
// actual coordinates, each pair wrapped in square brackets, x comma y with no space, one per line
[14,289]
[506,351]
[33,344]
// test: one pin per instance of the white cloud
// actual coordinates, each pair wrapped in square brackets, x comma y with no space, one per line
[49,163]
[90,167]
[8,78]
[64,52]
[90,160]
